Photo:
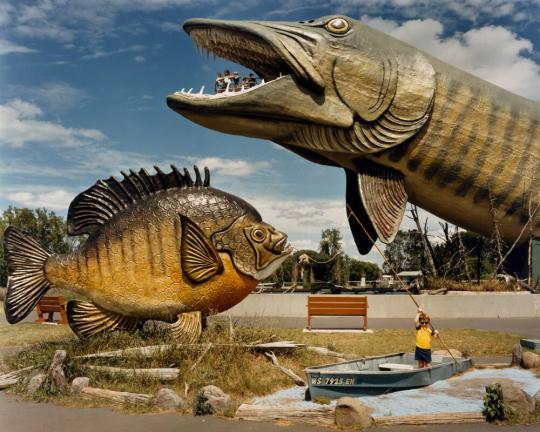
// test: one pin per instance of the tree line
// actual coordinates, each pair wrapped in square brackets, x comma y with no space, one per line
[457,255]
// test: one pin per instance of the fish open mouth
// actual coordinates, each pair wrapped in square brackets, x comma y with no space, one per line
[269,51]
[281,245]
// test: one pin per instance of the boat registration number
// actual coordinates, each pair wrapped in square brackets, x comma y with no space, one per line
[332,381]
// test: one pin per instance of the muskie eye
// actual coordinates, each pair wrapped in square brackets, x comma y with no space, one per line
[258,235]
[337,25]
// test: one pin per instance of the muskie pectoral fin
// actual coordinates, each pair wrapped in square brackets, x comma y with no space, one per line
[362,229]
[188,328]
[87,319]
[376,194]
[199,258]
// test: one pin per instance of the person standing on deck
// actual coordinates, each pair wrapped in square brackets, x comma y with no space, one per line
[424,335]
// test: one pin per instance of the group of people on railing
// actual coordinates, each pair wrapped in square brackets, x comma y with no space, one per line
[233,83]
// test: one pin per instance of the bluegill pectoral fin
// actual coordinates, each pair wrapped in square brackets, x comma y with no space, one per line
[87,319]
[188,328]
[199,257]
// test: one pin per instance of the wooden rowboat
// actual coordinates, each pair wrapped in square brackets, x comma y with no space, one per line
[379,374]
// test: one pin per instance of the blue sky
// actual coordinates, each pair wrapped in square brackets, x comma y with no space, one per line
[83,86]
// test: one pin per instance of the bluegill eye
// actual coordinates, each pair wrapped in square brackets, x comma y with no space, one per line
[258,234]
[337,25]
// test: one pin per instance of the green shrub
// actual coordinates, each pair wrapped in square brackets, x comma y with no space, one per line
[200,407]
[495,409]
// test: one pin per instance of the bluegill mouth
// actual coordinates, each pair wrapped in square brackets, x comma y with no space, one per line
[281,245]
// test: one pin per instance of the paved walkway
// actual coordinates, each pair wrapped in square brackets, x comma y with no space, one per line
[17,416]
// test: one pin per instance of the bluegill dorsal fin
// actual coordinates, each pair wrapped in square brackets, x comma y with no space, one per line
[383,196]
[199,257]
[86,319]
[96,205]
[188,328]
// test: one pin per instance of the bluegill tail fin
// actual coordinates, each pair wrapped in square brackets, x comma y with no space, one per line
[27,282]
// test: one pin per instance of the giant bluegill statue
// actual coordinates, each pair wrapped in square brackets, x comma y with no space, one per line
[159,246]
[404,125]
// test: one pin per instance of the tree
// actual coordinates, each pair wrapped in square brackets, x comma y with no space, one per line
[359,269]
[405,252]
[330,246]
[43,225]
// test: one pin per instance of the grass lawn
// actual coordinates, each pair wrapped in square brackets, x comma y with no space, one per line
[241,373]
[30,333]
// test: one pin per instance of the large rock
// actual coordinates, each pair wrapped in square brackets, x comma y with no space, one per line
[35,383]
[351,413]
[216,400]
[457,354]
[79,383]
[517,353]
[530,360]
[536,400]
[169,399]
[517,400]
[155,326]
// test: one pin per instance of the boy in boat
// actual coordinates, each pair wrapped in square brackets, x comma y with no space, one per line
[424,334]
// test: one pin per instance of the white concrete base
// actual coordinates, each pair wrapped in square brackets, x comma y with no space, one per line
[471,305]
[368,331]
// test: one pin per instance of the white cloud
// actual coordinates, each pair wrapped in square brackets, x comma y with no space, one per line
[102,53]
[139,59]
[493,53]
[20,125]
[232,167]
[5,13]
[170,27]
[54,199]
[7,47]
[55,96]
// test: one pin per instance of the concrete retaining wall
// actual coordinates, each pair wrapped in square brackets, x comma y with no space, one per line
[469,305]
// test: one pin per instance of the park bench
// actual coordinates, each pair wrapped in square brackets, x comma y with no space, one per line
[337,305]
[51,305]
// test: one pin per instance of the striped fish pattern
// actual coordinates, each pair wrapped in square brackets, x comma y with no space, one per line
[405,126]
[159,246]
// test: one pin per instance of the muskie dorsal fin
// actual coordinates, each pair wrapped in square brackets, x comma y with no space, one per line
[199,257]
[96,205]
[382,198]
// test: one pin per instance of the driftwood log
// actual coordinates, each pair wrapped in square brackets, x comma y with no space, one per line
[437,291]
[11,378]
[56,375]
[297,380]
[116,397]
[196,363]
[162,374]
[156,350]
[323,415]
[330,353]
[424,419]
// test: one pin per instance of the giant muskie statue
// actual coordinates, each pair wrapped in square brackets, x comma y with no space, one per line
[404,125]
[161,246]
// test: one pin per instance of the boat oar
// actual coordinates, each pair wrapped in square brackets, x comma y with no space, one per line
[391,267]
[446,347]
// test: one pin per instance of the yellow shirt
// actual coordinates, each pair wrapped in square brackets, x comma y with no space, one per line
[424,336]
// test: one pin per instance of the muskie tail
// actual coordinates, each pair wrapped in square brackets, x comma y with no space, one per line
[27,282]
